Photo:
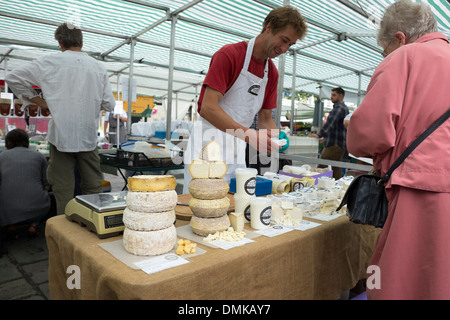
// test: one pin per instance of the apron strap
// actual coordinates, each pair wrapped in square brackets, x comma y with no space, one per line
[248,57]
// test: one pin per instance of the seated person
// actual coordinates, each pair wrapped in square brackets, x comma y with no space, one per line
[24,196]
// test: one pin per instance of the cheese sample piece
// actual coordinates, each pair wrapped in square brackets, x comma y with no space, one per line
[208,189]
[158,201]
[217,169]
[150,183]
[228,235]
[237,221]
[295,213]
[185,247]
[328,207]
[212,151]
[209,208]
[149,243]
[145,221]
[199,169]
[205,226]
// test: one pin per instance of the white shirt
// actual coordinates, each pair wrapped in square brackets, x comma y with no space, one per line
[123,114]
[76,87]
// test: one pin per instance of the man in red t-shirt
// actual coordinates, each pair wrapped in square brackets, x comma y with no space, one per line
[242,82]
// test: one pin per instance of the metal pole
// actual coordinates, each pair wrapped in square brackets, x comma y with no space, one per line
[359,89]
[281,64]
[170,86]
[294,67]
[130,87]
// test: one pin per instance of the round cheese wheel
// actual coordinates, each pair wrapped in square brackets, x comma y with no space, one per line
[145,221]
[149,243]
[150,183]
[208,189]
[158,201]
[209,208]
[205,226]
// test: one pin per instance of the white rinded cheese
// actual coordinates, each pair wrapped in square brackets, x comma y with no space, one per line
[217,169]
[150,183]
[199,169]
[237,221]
[212,151]
[204,169]
[145,221]
[149,243]
[208,189]
[209,208]
[205,226]
[158,201]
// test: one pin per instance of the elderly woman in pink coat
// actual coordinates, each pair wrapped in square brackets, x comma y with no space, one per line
[407,93]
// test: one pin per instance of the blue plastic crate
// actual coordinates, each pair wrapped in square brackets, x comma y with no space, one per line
[263,186]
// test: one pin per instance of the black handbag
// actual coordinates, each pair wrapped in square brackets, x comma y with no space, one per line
[366,198]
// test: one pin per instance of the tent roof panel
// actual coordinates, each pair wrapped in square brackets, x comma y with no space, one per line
[202,28]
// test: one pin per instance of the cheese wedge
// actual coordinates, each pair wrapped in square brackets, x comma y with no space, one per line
[217,169]
[212,151]
[199,169]
[237,221]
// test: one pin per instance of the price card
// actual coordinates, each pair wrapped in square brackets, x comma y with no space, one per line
[274,231]
[159,263]
[225,245]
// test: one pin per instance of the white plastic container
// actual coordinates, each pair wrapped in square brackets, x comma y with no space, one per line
[260,213]
[246,181]
[242,204]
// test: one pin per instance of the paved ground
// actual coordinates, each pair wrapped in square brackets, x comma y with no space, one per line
[24,261]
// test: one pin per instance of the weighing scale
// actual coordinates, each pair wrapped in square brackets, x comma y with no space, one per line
[100,212]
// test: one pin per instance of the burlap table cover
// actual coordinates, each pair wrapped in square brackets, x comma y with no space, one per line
[314,264]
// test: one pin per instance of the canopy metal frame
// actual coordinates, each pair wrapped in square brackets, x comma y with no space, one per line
[303,50]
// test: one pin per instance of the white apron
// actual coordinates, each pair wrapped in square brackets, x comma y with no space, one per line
[241,102]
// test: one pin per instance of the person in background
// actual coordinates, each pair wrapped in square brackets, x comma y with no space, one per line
[111,122]
[334,132]
[241,82]
[75,87]
[407,93]
[24,196]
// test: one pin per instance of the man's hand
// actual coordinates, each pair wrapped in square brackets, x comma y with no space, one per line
[40,102]
[261,140]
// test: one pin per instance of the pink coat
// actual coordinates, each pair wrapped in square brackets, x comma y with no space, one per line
[409,90]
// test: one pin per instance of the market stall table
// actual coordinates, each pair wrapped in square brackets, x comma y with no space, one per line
[318,263]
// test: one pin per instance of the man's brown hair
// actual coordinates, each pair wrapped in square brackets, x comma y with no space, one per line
[279,18]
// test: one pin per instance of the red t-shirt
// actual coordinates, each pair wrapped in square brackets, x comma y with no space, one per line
[225,67]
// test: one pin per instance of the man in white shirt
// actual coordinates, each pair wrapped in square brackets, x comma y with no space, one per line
[75,87]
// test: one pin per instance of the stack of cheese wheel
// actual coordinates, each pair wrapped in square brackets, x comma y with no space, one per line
[150,215]
[209,202]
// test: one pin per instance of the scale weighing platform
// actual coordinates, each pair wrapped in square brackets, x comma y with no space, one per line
[100,212]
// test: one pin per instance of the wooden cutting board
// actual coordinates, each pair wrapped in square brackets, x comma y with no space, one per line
[183,212]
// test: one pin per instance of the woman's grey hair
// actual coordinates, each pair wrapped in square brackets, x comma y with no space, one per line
[414,19]
[69,35]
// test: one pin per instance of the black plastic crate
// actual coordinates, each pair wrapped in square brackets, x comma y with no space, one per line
[139,159]
[108,158]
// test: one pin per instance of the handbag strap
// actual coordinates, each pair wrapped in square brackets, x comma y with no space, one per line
[413,145]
